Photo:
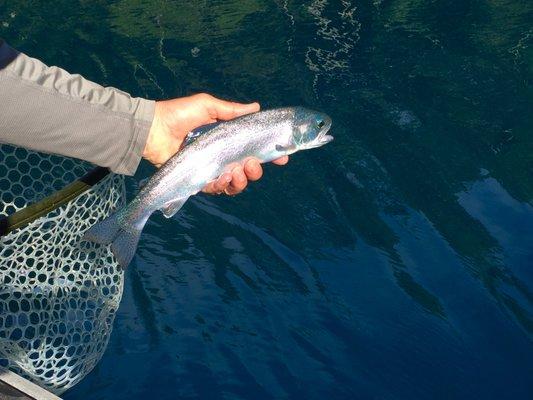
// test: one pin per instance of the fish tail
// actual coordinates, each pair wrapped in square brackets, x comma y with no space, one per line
[123,238]
[103,232]
[124,246]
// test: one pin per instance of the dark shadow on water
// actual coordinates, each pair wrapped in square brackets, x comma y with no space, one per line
[394,262]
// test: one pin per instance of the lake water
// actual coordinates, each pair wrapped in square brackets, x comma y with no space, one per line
[394,263]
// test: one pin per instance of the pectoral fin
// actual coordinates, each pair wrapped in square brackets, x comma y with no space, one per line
[285,149]
[143,182]
[172,207]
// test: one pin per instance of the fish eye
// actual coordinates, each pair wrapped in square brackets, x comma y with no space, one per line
[320,123]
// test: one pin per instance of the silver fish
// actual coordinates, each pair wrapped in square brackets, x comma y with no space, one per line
[265,135]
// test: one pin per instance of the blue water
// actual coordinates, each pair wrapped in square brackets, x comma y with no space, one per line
[394,263]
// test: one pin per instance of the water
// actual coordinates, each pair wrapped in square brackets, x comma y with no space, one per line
[394,263]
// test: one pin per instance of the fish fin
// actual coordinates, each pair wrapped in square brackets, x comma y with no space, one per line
[172,207]
[103,232]
[123,240]
[125,245]
[283,149]
[196,133]
[143,182]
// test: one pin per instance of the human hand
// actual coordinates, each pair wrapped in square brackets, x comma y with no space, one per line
[174,119]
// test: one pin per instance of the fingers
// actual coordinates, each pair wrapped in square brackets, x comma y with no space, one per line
[225,110]
[253,169]
[240,176]
[234,182]
[238,181]
[230,183]
[281,161]
[219,185]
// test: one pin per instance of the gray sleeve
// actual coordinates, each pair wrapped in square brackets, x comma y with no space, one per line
[47,109]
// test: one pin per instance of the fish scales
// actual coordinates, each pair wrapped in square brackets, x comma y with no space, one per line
[210,154]
[265,135]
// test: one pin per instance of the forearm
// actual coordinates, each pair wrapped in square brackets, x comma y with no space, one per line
[47,109]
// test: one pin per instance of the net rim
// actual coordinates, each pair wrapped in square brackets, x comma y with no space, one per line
[32,212]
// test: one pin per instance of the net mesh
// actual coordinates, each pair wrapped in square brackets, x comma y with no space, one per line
[58,294]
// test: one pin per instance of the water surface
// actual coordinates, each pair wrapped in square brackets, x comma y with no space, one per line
[394,263]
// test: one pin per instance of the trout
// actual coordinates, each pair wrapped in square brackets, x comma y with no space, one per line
[265,135]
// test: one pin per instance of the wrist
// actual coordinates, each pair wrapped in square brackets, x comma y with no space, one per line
[157,128]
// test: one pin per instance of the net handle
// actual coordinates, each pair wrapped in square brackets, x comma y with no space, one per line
[30,213]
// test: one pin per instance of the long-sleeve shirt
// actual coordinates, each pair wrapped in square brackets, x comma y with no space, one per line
[49,110]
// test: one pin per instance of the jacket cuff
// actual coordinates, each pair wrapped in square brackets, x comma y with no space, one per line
[142,122]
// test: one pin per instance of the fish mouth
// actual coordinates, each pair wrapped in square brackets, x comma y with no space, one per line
[323,138]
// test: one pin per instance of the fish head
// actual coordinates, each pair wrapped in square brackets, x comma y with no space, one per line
[310,129]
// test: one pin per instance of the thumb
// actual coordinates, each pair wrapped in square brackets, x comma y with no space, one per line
[225,110]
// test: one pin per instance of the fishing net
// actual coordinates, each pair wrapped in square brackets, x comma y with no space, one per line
[58,294]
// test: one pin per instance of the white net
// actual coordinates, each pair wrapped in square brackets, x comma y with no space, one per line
[58,294]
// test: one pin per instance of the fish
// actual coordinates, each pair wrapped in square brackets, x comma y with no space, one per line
[265,135]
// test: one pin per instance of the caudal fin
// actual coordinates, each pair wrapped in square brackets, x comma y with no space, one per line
[123,239]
